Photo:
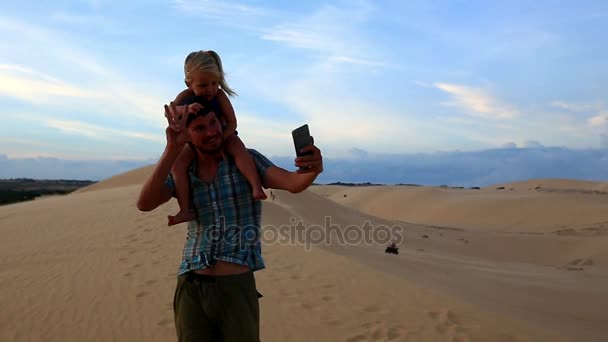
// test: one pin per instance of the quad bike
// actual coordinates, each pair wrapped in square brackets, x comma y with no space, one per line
[392,250]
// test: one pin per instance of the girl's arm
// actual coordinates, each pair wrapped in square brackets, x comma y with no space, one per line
[183,95]
[227,112]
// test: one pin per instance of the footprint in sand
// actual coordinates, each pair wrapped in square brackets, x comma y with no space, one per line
[581,262]
[150,282]
[148,230]
[328,286]
[375,331]
[306,306]
[335,323]
[141,294]
[576,264]
[447,322]
[128,274]
[165,322]
[371,308]
[327,298]
[122,259]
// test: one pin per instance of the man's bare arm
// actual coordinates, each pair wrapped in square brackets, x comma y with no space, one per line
[155,192]
[294,182]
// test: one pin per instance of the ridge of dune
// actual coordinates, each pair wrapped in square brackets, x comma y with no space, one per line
[556,184]
[132,177]
[490,209]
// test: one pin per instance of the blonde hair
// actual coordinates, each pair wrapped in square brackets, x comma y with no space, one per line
[207,61]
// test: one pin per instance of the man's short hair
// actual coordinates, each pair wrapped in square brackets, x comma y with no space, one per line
[207,108]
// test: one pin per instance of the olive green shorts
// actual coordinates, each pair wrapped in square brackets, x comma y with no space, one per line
[217,308]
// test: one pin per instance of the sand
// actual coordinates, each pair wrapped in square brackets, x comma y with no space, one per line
[90,267]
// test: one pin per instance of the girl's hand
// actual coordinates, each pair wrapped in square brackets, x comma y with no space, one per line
[193,108]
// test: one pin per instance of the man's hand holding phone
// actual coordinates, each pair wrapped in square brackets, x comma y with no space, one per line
[309,157]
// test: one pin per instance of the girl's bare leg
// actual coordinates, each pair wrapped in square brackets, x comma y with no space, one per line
[182,187]
[246,165]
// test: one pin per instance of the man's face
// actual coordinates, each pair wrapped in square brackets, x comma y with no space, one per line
[206,133]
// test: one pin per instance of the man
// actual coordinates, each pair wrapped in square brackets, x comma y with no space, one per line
[216,297]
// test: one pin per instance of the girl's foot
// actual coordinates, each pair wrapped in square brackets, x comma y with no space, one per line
[259,194]
[181,217]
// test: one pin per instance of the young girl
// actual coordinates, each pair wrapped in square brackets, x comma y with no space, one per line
[205,78]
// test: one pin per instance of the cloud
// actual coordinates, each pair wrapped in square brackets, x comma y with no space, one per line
[94,84]
[604,140]
[532,144]
[36,87]
[56,168]
[98,132]
[476,168]
[357,61]
[330,30]
[221,10]
[598,120]
[575,107]
[476,102]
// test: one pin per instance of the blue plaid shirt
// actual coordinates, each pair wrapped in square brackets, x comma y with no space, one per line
[228,223]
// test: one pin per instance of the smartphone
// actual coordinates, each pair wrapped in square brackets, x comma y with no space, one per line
[301,138]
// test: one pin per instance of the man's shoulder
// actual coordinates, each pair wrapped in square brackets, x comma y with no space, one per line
[261,161]
[254,152]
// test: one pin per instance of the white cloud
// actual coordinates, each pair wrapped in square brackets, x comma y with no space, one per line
[330,30]
[423,84]
[532,144]
[220,9]
[598,120]
[99,132]
[107,91]
[36,87]
[575,107]
[357,61]
[476,102]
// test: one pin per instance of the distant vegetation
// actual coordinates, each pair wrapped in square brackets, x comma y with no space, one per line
[355,184]
[25,189]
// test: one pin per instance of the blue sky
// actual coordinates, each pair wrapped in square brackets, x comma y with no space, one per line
[87,80]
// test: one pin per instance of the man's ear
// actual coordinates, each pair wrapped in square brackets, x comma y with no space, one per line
[187,84]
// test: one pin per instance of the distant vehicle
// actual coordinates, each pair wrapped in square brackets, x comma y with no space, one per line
[392,249]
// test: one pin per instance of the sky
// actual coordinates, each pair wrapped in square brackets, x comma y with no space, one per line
[84,82]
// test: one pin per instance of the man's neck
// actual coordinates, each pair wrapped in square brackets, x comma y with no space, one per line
[210,159]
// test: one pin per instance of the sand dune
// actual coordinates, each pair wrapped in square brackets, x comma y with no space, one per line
[90,267]
[557,185]
[126,179]
[566,206]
